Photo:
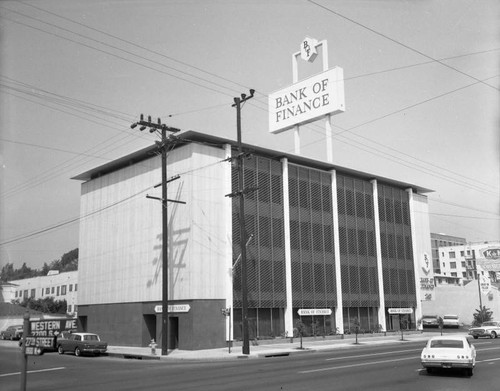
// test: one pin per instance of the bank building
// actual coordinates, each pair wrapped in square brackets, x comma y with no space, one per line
[322,240]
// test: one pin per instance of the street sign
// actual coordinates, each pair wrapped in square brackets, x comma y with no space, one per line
[314,311]
[397,311]
[33,351]
[35,345]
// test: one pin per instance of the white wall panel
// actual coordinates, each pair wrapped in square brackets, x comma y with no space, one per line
[121,238]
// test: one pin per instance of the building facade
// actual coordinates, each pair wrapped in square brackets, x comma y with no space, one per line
[60,286]
[471,261]
[318,237]
[442,240]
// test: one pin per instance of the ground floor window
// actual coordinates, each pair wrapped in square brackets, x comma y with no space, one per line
[263,323]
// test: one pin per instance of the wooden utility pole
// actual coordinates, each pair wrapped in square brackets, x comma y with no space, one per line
[162,128]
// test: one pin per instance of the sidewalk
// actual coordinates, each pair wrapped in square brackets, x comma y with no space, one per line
[274,348]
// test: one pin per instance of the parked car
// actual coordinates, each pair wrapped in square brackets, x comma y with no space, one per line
[430,321]
[451,321]
[81,343]
[449,352]
[13,332]
[489,329]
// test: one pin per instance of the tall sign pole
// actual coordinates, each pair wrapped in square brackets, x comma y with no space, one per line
[313,98]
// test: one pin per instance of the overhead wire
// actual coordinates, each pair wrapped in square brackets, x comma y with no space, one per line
[433,60]
[398,42]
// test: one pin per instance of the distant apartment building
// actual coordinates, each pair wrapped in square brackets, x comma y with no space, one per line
[470,261]
[60,286]
[442,240]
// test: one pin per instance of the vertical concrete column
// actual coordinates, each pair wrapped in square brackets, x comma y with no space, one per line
[339,316]
[378,249]
[227,215]
[288,252]
[418,308]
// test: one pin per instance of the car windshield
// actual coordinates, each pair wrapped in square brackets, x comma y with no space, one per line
[489,324]
[447,343]
[90,338]
[451,317]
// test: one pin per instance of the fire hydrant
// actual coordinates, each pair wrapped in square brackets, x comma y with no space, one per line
[152,345]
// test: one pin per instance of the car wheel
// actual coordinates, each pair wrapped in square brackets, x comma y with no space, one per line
[78,352]
[493,335]
[429,370]
[60,349]
[475,337]
[468,372]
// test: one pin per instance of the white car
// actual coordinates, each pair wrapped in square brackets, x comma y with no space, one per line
[451,321]
[449,352]
[489,329]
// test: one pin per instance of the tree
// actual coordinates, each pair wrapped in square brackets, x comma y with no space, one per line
[357,325]
[9,273]
[482,314]
[404,321]
[440,324]
[46,305]
[300,329]
[67,263]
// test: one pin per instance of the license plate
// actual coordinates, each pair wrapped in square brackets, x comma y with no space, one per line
[445,365]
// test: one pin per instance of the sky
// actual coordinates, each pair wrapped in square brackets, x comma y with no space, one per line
[421,83]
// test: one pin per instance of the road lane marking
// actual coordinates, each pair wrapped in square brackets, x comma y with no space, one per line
[374,354]
[490,359]
[358,365]
[35,371]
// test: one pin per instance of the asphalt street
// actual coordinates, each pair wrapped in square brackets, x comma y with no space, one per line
[384,367]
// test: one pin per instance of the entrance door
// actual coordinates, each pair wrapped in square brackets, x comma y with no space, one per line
[150,322]
[173,326]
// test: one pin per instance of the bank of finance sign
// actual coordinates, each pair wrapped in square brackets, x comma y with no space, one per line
[307,100]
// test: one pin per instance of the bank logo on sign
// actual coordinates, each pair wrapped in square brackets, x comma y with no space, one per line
[308,50]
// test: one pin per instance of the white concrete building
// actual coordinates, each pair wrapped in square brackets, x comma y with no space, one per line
[60,286]
[469,260]
[344,243]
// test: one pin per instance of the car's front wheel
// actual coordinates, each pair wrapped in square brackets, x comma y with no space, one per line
[493,335]
[60,349]
[78,352]
[475,337]
[469,372]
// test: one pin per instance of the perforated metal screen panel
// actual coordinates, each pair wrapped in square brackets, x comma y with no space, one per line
[358,258]
[311,238]
[312,248]
[397,250]
[265,234]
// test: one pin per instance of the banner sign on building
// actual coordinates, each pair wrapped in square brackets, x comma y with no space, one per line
[400,311]
[307,100]
[314,311]
[426,278]
[174,308]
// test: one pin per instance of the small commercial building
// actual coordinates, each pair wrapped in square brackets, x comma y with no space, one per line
[59,286]
[326,242]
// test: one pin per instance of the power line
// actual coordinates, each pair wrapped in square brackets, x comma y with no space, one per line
[135,45]
[116,55]
[76,219]
[399,43]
